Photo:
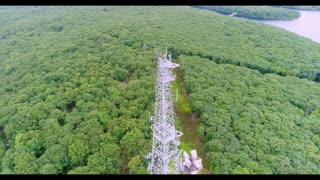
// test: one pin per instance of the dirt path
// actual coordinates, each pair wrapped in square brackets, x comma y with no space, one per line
[191,139]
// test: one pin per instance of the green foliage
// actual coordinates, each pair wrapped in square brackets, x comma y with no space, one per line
[24,163]
[307,8]
[254,123]
[6,162]
[80,170]
[186,147]
[182,103]
[255,12]
[56,28]
[133,142]
[136,166]
[48,169]
[77,152]
[2,150]
[121,74]
[76,88]
[71,95]
[106,161]
[56,155]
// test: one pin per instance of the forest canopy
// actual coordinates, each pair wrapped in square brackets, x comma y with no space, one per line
[255,12]
[254,123]
[77,89]
[306,8]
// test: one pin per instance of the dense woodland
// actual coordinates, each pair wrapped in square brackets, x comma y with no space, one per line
[72,99]
[76,89]
[255,123]
[306,8]
[255,12]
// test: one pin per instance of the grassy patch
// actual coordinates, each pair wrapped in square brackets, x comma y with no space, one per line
[187,147]
[187,122]
[183,102]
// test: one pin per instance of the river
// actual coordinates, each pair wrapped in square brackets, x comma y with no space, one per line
[307,25]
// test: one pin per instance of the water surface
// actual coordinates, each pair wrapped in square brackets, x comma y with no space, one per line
[308,25]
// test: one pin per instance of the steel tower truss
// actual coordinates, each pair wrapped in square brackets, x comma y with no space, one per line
[165,155]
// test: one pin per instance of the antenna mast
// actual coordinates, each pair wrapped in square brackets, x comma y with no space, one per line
[165,155]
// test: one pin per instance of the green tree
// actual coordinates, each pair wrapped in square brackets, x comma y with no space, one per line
[136,166]
[134,141]
[77,152]
[24,163]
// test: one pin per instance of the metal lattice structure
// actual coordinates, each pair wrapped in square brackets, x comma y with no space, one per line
[165,155]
